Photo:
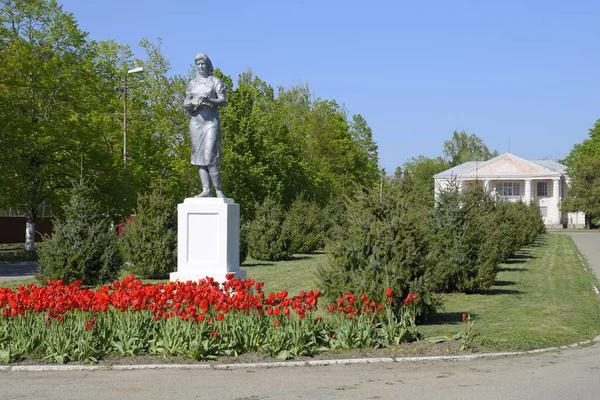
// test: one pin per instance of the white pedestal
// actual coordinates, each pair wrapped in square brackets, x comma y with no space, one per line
[208,239]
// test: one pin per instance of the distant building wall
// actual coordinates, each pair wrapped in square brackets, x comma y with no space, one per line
[12,229]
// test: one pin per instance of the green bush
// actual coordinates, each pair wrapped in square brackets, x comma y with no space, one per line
[149,241]
[380,245]
[82,246]
[304,226]
[464,251]
[244,228]
[266,240]
[334,214]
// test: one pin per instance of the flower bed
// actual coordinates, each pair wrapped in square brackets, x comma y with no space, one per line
[200,320]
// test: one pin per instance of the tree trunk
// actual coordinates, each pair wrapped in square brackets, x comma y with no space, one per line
[30,233]
[588,221]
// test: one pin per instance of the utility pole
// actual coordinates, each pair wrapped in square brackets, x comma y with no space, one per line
[125,120]
[131,71]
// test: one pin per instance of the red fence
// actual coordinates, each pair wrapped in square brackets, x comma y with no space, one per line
[12,229]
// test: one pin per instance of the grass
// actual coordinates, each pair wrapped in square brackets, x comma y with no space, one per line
[541,298]
[293,275]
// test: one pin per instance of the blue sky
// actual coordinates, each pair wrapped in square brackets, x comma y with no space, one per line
[520,72]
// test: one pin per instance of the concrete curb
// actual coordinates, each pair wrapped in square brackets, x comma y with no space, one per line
[280,364]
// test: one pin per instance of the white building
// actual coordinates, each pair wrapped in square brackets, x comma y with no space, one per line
[545,182]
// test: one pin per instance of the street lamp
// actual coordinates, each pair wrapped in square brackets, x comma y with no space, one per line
[131,71]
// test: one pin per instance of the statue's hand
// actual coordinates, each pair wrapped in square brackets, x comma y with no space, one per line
[189,105]
[205,101]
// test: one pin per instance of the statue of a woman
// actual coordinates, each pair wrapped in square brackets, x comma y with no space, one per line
[203,95]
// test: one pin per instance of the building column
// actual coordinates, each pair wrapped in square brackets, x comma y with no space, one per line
[527,199]
[555,201]
[486,185]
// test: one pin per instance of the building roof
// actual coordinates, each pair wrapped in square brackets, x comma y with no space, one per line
[506,165]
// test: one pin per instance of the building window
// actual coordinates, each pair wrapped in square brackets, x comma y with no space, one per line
[542,188]
[544,212]
[509,189]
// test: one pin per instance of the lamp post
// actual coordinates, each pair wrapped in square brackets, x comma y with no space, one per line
[131,71]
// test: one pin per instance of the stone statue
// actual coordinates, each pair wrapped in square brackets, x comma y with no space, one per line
[203,95]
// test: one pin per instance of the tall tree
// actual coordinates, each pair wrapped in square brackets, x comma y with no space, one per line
[368,158]
[415,178]
[45,78]
[584,168]
[159,143]
[463,147]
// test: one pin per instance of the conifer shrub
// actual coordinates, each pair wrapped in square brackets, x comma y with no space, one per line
[266,239]
[304,226]
[334,216]
[82,246]
[244,228]
[464,251]
[381,244]
[149,241]
[508,224]
[536,225]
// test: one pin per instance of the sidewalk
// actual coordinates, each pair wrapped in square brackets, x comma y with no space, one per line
[10,271]
[589,245]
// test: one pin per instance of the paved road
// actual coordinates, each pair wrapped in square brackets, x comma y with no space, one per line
[17,270]
[588,244]
[571,374]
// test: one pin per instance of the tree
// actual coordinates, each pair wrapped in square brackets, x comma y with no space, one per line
[463,147]
[149,241]
[381,245]
[160,145]
[368,158]
[464,254]
[584,194]
[583,167]
[265,238]
[415,178]
[83,246]
[48,86]
[258,160]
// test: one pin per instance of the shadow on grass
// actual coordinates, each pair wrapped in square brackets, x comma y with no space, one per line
[504,283]
[520,258]
[297,257]
[494,291]
[539,242]
[511,269]
[447,318]
[253,264]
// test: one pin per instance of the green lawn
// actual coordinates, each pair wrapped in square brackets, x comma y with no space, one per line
[293,276]
[541,298]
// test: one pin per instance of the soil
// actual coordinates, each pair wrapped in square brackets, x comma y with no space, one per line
[414,349]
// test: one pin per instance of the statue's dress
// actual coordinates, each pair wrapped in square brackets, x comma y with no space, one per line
[205,125]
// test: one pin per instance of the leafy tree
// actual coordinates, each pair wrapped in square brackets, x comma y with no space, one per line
[367,159]
[149,241]
[584,162]
[159,144]
[416,178]
[45,79]
[83,246]
[463,147]
[584,194]
[258,160]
